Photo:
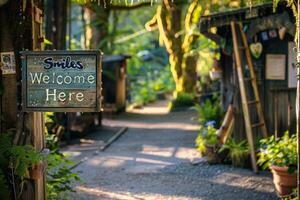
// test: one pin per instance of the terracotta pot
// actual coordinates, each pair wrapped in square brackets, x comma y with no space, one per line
[211,154]
[284,182]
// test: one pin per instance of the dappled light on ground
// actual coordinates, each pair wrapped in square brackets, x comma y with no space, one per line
[152,161]
[146,125]
[160,108]
[103,194]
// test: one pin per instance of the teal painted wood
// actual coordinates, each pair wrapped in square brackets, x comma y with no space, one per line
[61,81]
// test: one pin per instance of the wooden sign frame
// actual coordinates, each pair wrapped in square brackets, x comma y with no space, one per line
[275,67]
[66,108]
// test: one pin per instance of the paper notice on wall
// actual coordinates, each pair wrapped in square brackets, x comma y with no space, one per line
[292,68]
[275,67]
[8,62]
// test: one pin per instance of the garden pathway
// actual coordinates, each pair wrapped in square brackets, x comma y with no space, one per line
[151,161]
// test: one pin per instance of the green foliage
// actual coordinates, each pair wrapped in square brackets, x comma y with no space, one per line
[22,158]
[18,158]
[237,151]
[210,111]
[182,100]
[207,137]
[292,196]
[146,87]
[147,75]
[15,161]
[4,189]
[279,152]
[60,176]
[5,145]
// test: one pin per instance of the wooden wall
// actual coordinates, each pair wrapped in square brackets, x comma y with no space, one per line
[278,101]
[19,31]
[114,82]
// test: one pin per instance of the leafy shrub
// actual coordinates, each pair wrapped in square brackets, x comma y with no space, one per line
[60,176]
[17,161]
[279,152]
[18,158]
[237,151]
[292,196]
[206,137]
[22,158]
[4,189]
[210,111]
[146,87]
[182,100]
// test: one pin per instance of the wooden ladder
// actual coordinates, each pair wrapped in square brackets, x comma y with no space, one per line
[240,45]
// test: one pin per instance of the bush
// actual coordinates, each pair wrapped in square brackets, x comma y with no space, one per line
[206,137]
[210,111]
[60,177]
[238,152]
[16,161]
[183,100]
[279,152]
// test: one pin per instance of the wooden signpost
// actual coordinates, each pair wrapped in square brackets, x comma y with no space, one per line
[61,81]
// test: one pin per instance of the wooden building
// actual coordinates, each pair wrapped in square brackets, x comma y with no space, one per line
[114,83]
[270,37]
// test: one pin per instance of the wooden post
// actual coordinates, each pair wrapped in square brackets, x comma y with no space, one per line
[20,31]
[37,118]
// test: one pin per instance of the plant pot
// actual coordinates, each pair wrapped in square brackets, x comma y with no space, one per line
[284,181]
[211,154]
[37,171]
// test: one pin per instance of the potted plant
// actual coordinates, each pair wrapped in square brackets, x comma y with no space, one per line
[280,155]
[207,143]
[237,151]
[210,111]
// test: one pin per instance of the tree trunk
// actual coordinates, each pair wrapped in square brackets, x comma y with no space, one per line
[190,59]
[168,21]
[183,62]
[189,75]
[97,19]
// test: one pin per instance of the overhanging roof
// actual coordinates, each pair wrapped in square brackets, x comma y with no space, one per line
[244,14]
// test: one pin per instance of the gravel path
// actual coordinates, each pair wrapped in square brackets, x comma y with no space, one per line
[152,161]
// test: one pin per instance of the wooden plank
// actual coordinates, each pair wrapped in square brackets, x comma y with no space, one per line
[62,81]
[253,81]
[243,96]
[227,126]
[37,118]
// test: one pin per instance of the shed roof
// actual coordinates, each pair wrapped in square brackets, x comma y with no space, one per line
[115,58]
[243,14]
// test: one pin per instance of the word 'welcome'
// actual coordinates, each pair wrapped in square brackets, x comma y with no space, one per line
[60,79]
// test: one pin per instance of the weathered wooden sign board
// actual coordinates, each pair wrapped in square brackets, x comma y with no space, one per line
[61,81]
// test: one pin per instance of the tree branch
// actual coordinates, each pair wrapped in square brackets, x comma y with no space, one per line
[124,7]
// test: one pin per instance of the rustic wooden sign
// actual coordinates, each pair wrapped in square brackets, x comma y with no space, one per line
[61,81]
